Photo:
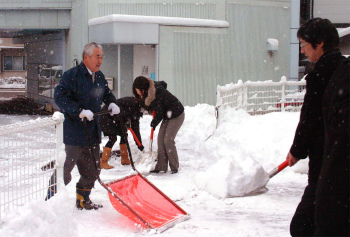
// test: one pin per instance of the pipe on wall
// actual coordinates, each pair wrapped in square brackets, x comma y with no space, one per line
[294,42]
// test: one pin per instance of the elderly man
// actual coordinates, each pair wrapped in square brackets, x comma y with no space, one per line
[79,95]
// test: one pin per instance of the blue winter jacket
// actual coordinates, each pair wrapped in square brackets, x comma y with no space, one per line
[76,92]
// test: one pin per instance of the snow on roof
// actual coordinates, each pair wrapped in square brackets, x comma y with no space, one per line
[343,31]
[161,20]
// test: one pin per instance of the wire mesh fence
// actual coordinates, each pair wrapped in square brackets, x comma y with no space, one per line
[27,154]
[262,97]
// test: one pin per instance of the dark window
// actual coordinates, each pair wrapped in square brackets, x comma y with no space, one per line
[7,63]
[14,63]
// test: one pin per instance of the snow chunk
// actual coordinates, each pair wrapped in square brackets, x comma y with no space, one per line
[230,177]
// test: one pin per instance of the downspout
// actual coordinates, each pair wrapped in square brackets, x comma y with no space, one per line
[294,42]
[118,68]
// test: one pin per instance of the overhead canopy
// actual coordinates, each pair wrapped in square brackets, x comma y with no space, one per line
[134,29]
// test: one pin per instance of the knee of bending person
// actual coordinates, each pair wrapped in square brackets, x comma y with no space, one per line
[67,178]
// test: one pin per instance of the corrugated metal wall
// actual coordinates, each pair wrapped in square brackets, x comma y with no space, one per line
[191,10]
[204,60]
[200,63]
[337,11]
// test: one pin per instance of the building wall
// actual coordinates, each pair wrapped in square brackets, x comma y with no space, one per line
[337,11]
[192,60]
[144,56]
[204,9]
[7,42]
[195,60]
[42,50]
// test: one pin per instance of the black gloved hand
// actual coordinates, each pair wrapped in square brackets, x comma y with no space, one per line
[141,148]
[153,126]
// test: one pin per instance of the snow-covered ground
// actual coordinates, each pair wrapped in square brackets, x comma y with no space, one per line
[13,82]
[214,177]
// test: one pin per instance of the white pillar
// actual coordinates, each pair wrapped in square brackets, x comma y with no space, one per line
[294,42]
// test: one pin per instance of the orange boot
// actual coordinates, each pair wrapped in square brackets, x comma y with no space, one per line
[105,157]
[124,154]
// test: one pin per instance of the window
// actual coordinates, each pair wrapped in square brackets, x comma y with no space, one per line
[14,63]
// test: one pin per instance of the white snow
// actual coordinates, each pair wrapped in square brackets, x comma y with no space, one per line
[214,185]
[273,42]
[161,20]
[343,31]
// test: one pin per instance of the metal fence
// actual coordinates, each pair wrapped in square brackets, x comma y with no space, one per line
[27,152]
[262,97]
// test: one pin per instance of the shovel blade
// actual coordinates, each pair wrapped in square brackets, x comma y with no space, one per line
[145,204]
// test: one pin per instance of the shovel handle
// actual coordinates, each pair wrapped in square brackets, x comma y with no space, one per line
[279,168]
[152,130]
[135,137]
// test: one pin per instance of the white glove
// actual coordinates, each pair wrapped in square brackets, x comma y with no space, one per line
[113,108]
[86,114]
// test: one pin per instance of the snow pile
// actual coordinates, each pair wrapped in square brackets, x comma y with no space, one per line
[41,219]
[215,164]
[230,177]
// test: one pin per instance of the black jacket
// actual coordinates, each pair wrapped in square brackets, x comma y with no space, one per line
[309,135]
[76,92]
[160,100]
[130,112]
[332,195]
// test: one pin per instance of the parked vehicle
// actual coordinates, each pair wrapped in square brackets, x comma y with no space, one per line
[50,76]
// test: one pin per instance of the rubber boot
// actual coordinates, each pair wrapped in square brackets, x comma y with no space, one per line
[105,157]
[50,192]
[124,154]
[83,200]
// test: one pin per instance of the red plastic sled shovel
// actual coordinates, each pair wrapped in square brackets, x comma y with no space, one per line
[138,199]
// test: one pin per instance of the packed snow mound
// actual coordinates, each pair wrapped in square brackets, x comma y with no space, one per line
[230,177]
[55,219]
[236,158]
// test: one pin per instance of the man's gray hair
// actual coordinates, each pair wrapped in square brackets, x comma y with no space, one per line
[89,48]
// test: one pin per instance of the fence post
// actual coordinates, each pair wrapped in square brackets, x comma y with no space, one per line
[245,97]
[59,148]
[283,99]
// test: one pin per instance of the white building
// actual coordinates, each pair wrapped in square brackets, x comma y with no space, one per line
[192,45]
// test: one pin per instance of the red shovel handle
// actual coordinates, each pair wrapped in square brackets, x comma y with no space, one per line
[135,137]
[278,168]
[283,165]
[152,130]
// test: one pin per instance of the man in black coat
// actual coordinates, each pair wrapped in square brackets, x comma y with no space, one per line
[319,42]
[130,114]
[332,195]
[79,95]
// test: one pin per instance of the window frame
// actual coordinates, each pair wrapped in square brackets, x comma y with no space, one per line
[12,56]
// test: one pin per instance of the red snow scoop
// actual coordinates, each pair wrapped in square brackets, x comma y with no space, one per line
[138,199]
[142,202]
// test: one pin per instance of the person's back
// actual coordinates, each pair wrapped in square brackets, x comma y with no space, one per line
[332,195]
[319,41]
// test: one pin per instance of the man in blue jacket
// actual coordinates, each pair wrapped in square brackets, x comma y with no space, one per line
[79,95]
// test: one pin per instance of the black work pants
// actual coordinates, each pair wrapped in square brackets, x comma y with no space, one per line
[88,164]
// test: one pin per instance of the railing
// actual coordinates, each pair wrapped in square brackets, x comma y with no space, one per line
[262,97]
[27,151]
